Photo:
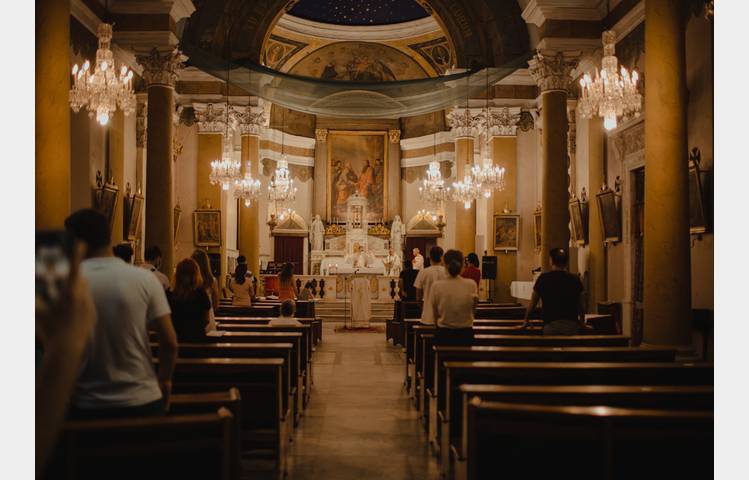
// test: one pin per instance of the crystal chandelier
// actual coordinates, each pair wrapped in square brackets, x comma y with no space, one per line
[490,177]
[247,189]
[227,171]
[102,89]
[433,189]
[610,94]
[466,191]
[281,188]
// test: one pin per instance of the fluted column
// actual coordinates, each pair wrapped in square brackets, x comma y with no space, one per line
[319,205]
[160,73]
[251,121]
[463,123]
[667,275]
[596,251]
[552,73]
[52,112]
[503,135]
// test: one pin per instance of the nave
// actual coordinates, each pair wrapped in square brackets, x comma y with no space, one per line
[359,423]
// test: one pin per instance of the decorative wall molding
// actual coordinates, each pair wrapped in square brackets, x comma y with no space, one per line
[365,33]
[538,11]
[161,68]
[211,118]
[630,20]
[552,70]
[249,120]
[321,135]
[463,122]
[394,135]
[141,120]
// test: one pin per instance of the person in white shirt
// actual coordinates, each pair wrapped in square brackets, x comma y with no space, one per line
[424,281]
[287,316]
[452,303]
[418,260]
[118,378]
[395,263]
[241,287]
[152,257]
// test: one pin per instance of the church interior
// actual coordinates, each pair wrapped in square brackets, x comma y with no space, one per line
[323,150]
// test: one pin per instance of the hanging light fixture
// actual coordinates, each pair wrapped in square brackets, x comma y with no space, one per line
[227,171]
[608,93]
[281,190]
[103,88]
[490,177]
[248,188]
[467,190]
[433,189]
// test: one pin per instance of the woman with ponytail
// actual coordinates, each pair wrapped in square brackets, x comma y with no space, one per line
[453,302]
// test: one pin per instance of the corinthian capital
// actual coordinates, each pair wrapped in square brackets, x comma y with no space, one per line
[395,135]
[501,121]
[161,68]
[210,118]
[552,71]
[249,120]
[463,122]
[321,135]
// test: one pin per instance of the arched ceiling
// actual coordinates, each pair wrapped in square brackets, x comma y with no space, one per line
[482,32]
[359,12]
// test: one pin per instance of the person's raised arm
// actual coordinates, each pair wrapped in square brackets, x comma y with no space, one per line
[531,306]
[167,354]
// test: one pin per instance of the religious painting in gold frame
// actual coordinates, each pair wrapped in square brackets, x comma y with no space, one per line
[609,214]
[537,228]
[357,163]
[506,232]
[132,215]
[207,228]
[697,217]
[578,215]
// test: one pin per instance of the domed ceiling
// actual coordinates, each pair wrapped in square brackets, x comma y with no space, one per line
[359,12]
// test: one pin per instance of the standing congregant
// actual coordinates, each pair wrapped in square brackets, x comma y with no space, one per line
[425,279]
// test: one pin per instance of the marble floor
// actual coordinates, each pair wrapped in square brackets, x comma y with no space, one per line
[359,423]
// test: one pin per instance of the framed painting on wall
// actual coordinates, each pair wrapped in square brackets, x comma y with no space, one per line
[537,228]
[506,232]
[133,211]
[612,228]
[697,217]
[579,233]
[105,198]
[357,164]
[207,228]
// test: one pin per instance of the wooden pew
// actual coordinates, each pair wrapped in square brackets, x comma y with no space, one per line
[532,441]
[254,350]
[173,446]
[304,380]
[315,324]
[252,311]
[449,400]
[192,403]
[260,383]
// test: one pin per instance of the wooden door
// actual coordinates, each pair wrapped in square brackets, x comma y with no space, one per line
[289,249]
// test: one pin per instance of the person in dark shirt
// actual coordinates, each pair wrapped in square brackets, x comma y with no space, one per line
[190,303]
[472,269]
[561,294]
[406,282]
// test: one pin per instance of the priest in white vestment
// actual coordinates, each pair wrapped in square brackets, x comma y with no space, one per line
[361,308]
[393,264]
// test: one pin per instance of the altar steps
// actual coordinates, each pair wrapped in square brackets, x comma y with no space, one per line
[334,311]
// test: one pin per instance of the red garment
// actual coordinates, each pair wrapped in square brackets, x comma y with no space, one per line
[473,273]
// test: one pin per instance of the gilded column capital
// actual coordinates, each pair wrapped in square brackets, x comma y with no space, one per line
[249,120]
[210,118]
[161,68]
[463,122]
[552,71]
[394,135]
[501,121]
[321,135]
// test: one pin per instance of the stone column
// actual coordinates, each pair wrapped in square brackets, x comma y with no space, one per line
[552,73]
[52,112]
[251,121]
[211,121]
[667,282]
[393,175]
[596,251]
[503,136]
[140,167]
[160,73]
[319,205]
[463,123]
[116,132]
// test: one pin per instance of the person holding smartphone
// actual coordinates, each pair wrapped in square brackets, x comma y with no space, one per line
[118,378]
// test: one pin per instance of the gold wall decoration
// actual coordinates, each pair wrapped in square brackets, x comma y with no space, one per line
[437,52]
[278,50]
[357,163]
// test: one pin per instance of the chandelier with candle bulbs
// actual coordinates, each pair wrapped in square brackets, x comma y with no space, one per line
[610,94]
[281,188]
[247,189]
[227,171]
[103,88]
[433,189]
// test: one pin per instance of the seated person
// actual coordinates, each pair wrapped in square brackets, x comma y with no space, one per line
[561,295]
[287,316]
[190,303]
[241,287]
[306,293]
[124,251]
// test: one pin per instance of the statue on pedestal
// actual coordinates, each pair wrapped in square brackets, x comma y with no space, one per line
[397,231]
[317,234]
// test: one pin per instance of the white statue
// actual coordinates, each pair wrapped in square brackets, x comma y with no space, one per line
[317,234]
[397,231]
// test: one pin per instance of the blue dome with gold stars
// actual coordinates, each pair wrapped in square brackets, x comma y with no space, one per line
[359,12]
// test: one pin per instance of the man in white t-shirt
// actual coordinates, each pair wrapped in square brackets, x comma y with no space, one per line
[152,257]
[117,377]
[287,316]
[418,260]
[424,281]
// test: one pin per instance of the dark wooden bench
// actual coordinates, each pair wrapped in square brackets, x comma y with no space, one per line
[209,402]
[449,399]
[316,324]
[172,446]
[533,441]
[252,311]
[265,427]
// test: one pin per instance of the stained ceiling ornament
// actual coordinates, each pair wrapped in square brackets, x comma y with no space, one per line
[609,94]
[102,89]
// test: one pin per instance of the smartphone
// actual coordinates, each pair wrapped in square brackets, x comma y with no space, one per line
[54,257]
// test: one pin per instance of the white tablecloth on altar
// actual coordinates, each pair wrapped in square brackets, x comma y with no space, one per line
[361,308]
[522,290]
[338,266]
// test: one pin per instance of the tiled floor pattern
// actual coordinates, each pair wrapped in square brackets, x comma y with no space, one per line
[359,424]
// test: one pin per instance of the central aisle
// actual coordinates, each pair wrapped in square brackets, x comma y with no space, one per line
[359,424]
